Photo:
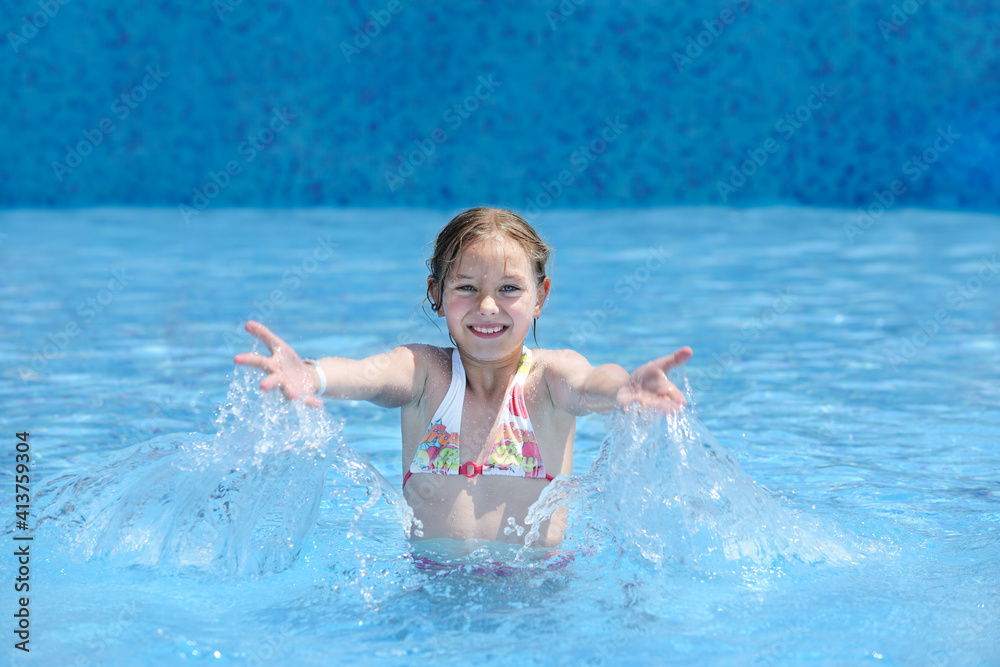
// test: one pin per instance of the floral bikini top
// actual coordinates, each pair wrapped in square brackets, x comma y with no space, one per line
[511,450]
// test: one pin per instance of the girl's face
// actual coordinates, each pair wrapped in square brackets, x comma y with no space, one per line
[490,297]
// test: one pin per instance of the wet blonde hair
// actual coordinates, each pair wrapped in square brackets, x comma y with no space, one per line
[478,224]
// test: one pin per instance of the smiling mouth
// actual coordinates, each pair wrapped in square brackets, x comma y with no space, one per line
[490,331]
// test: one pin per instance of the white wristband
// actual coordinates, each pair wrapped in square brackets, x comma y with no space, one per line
[322,376]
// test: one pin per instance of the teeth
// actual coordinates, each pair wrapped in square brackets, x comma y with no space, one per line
[487,330]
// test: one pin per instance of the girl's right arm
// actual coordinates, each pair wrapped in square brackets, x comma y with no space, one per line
[390,380]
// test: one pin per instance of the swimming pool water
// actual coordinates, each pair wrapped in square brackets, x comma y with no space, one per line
[851,378]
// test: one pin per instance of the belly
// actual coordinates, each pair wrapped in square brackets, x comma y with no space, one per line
[459,508]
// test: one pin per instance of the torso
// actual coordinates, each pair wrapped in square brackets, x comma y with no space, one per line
[460,508]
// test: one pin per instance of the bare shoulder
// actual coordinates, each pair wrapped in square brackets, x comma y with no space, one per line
[429,363]
[561,363]
[430,356]
[426,353]
[562,371]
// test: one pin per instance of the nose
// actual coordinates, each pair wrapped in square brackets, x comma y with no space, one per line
[488,305]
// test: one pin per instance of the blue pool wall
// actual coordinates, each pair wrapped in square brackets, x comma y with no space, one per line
[529,105]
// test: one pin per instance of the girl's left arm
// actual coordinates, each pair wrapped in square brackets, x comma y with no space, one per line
[579,388]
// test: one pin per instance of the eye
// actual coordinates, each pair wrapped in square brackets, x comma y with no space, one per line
[510,289]
[462,288]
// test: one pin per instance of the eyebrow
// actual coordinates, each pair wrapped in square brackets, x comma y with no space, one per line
[462,276]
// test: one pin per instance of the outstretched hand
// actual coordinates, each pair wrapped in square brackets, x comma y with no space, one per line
[649,387]
[284,368]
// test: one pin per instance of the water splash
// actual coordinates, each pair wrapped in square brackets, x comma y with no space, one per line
[513,527]
[240,502]
[664,490]
[244,500]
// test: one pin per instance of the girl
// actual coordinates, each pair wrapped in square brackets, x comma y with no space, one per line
[486,424]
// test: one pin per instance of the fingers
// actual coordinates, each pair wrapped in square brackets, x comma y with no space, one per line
[676,359]
[667,391]
[675,394]
[667,398]
[250,359]
[270,382]
[669,407]
[275,378]
[664,364]
[264,334]
[280,380]
[655,389]
[666,404]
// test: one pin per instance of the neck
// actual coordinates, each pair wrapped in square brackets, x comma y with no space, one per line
[488,378]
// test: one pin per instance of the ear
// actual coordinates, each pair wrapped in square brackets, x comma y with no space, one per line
[542,294]
[434,291]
